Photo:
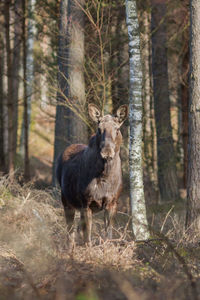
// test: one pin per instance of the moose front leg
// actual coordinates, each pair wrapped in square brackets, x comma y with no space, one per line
[86,224]
[109,218]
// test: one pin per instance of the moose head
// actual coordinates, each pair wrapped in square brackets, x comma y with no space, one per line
[108,134]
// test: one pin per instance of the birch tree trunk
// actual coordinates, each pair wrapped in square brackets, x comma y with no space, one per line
[193,183]
[138,209]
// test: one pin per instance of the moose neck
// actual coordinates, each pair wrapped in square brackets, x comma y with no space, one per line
[112,167]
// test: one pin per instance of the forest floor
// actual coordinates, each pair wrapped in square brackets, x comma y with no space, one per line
[36,262]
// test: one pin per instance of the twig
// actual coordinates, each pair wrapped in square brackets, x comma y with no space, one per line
[167,215]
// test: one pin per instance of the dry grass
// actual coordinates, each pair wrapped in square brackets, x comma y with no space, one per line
[36,262]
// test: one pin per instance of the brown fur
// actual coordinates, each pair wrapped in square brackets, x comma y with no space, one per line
[72,150]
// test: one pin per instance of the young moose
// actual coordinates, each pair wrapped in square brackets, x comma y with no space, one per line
[90,176]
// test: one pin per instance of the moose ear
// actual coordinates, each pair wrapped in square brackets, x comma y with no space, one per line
[122,114]
[94,113]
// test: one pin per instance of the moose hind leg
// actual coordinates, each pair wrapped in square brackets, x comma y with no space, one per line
[109,218]
[69,215]
[86,224]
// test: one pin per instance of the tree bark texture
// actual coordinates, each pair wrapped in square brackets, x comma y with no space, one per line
[148,118]
[70,127]
[193,183]
[25,119]
[138,209]
[10,105]
[2,153]
[184,108]
[30,31]
[16,65]
[167,177]
[119,59]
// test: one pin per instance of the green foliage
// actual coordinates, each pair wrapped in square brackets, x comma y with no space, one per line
[89,295]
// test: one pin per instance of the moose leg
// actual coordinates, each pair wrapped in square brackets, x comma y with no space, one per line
[86,223]
[109,218]
[69,215]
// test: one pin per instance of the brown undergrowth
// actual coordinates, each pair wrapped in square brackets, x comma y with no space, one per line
[36,262]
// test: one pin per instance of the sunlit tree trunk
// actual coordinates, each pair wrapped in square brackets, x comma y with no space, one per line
[193,183]
[167,177]
[69,125]
[139,219]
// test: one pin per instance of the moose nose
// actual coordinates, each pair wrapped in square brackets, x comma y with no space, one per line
[107,154]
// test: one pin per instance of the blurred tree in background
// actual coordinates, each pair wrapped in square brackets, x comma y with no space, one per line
[166,159]
[70,113]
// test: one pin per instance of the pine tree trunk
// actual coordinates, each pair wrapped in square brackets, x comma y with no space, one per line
[2,154]
[69,125]
[148,119]
[193,183]
[30,37]
[77,129]
[25,119]
[184,108]
[16,65]
[119,82]
[138,209]
[10,105]
[167,177]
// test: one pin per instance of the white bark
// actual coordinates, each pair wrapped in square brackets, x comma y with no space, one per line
[138,209]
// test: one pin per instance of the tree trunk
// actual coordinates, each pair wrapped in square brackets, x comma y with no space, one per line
[29,35]
[148,119]
[184,107]
[139,220]
[69,126]
[2,153]
[16,65]
[167,177]
[193,183]
[118,59]
[25,119]
[9,91]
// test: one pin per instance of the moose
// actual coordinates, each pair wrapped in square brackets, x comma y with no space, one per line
[90,175]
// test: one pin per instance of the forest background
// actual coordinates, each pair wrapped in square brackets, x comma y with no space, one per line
[55,58]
